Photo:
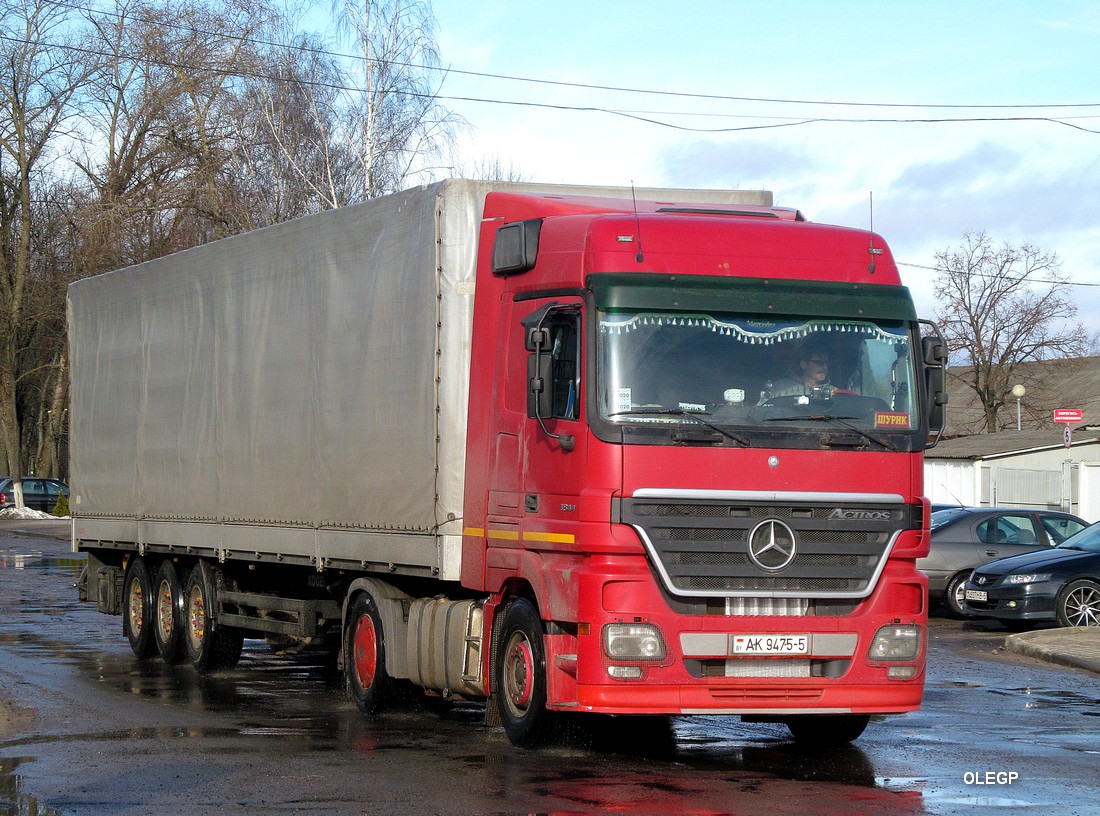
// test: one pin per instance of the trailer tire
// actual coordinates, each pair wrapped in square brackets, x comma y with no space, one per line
[209,646]
[365,650]
[168,608]
[137,609]
[519,684]
[827,730]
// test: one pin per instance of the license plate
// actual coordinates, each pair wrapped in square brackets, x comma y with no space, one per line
[770,645]
[976,595]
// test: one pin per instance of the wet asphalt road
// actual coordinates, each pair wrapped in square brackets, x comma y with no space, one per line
[92,731]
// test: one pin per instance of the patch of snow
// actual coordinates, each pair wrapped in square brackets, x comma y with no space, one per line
[26,513]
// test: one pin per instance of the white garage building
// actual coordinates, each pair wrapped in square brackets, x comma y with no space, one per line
[1029,468]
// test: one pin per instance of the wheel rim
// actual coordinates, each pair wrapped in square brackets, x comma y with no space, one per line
[519,673]
[136,611]
[165,619]
[196,617]
[365,652]
[1083,607]
[960,596]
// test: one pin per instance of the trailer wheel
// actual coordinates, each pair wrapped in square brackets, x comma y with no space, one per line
[827,730]
[209,646]
[137,609]
[168,617]
[520,682]
[365,650]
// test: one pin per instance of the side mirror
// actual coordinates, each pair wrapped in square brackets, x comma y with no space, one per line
[540,371]
[934,356]
[933,350]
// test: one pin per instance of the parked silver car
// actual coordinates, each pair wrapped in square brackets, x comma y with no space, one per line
[964,538]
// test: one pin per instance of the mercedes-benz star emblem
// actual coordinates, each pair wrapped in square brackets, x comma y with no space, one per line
[771,545]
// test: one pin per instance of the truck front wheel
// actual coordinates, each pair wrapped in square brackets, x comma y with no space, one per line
[825,730]
[168,613]
[137,610]
[520,681]
[365,655]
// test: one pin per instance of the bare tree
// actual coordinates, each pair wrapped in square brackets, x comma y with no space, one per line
[291,152]
[40,71]
[1000,307]
[393,119]
[493,169]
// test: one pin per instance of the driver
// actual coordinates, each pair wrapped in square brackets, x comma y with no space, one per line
[812,373]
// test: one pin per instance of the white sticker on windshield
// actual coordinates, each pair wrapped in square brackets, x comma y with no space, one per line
[624,400]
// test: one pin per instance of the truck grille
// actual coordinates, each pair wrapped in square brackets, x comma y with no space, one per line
[801,549]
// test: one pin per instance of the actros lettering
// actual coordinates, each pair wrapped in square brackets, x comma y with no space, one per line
[860,515]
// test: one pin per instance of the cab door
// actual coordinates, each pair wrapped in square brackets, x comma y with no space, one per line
[555,444]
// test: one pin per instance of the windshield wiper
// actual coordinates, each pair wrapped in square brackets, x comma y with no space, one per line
[839,420]
[694,415]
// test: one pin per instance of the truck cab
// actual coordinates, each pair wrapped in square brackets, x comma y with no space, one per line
[667,519]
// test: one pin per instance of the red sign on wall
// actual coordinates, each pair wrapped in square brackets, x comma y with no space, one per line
[1068,415]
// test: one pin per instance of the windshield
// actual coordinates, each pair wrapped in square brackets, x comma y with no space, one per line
[1087,540]
[752,371]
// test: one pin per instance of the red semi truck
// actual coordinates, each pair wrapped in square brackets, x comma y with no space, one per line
[556,448]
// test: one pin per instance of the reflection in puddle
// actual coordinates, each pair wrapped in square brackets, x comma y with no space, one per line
[13,801]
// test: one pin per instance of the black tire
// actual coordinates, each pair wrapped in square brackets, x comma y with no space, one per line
[827,730]
[365,655]
[519,684]
[209,646]
[168,613]
[1078,604]
[137,609]
[953,596]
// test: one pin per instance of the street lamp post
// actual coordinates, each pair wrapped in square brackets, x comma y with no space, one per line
[1018,392]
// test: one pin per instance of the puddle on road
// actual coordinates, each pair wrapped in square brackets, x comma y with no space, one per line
[1043,698]
[13,801]
[45,562]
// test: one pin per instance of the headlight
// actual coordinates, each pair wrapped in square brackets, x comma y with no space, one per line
[895,643]
[1027,578]
[633,641]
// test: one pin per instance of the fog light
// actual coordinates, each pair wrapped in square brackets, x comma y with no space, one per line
[901,672]
[633,641]
[625,672]
[1011,604]
[898,643]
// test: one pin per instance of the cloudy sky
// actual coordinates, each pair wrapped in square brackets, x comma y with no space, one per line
[792,97]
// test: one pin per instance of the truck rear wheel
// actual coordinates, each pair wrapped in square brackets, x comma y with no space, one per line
[137,609]
[209,646]
[168,609]
[827,729]
[520,682]
[365,655]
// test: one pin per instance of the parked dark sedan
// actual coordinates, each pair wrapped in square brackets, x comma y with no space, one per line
[38,494]
[1062,584]
[967,537]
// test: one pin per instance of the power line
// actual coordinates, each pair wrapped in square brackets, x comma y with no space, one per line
[1006,277]
[653,92]
[640,116]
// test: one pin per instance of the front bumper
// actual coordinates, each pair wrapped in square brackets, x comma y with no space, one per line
[1016,601]
[700,673]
